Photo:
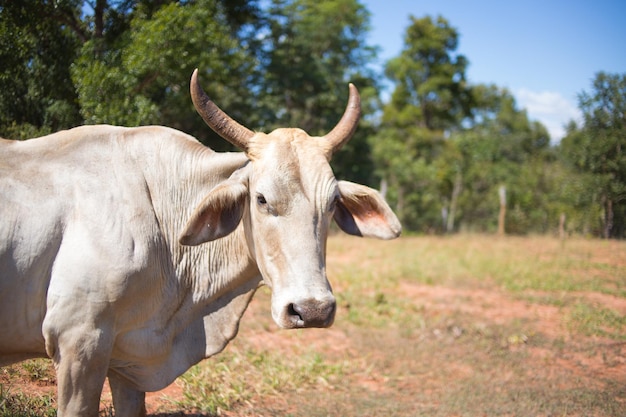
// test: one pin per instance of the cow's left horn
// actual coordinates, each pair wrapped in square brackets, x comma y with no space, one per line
[220,122]
[348,123]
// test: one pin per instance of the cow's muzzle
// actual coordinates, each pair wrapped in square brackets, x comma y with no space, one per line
[311,313]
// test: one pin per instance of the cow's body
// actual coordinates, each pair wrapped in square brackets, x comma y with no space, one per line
[93,273]
[96,233]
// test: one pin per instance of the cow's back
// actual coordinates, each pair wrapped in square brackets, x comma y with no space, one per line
[73,204]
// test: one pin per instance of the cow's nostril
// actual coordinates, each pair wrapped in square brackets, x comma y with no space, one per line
[295,315]
[291,310]
[311,313]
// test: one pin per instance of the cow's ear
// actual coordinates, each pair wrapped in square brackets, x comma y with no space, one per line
[217,215]
[362,211]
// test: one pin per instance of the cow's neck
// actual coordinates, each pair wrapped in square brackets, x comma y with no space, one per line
[213,268]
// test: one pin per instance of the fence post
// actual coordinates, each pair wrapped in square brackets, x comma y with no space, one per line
[502,215]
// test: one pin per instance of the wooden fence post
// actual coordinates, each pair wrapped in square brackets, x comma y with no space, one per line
[502,215]
[562,226]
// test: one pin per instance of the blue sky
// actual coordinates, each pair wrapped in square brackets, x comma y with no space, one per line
[544,51]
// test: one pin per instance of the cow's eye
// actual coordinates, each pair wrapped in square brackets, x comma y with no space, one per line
[263,206]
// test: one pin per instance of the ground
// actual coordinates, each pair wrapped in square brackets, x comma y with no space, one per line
[448,343]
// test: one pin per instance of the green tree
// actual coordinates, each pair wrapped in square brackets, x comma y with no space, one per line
[143,78]
[430,99]
[574,193]
[37,47]
[597,148]
[429,78]
[121,61]
[312,50]
[502,147]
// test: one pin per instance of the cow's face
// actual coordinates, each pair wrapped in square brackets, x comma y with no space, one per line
[292,197]
[287,196]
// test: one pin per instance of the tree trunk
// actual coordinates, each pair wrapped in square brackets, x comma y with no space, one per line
[562,226]
[608,218]
[456,190]
[502,214]
[98,15]
[383,188]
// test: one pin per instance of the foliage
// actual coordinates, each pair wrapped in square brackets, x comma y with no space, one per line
[450,146]
[35,55]
[430,96]
[430,91]
[313,49]
[502,147]
[597,149]
[440,148]
[142,78]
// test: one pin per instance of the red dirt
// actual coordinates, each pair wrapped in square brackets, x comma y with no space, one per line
[386,364]
[607,363]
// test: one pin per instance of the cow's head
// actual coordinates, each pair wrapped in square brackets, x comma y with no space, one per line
[286,196]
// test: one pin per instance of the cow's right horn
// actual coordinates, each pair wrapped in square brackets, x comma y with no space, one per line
[220,122]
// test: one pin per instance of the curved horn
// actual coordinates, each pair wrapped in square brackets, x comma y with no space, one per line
[216,119]
[343,131]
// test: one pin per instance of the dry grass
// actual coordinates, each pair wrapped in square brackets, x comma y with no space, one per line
[462,326]
[434,326]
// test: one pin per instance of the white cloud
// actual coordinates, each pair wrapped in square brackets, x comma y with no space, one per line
[550,108]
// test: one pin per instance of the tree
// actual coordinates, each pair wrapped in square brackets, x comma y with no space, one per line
[502,147]
[429,78]
[121,61]
[597,148]
[313,49]
[143,77]
[37,47]
[430,98]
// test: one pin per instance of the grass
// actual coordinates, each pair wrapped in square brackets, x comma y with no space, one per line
[235,376]
[429,326]
[596,320]
[522,266]
[516,264]
[442,361]
[17,404]
[14,403]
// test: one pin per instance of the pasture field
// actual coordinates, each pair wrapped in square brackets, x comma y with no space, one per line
[466,325]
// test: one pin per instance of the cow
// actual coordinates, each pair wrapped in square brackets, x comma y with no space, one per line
[132,253]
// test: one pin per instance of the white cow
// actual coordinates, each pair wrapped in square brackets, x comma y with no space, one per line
[132,253]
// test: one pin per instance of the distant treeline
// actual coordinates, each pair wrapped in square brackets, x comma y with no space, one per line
[440,148]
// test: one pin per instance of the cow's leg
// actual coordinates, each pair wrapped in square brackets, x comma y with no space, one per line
[81,369]
[127,401]
[78,339]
